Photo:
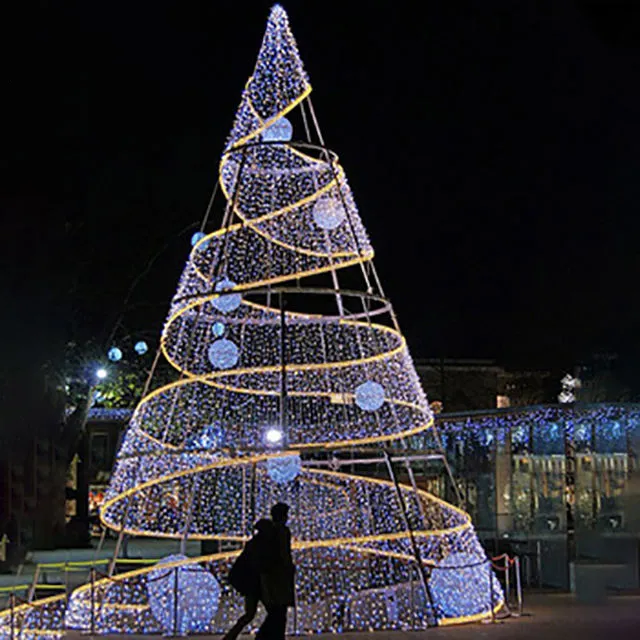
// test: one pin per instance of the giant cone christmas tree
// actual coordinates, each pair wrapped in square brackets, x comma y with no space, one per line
[286,348]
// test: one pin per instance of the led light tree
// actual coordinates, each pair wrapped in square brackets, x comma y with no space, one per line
[286,349]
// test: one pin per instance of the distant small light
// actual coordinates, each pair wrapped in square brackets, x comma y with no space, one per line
[114,354]
[101,373]
[273,435]
[196,237]
[141,347]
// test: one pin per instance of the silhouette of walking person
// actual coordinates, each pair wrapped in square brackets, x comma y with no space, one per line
[276,582]
[246,571]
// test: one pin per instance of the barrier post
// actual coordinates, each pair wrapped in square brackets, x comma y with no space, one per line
[518,585]
[507,585]
[92,573]
[12,605]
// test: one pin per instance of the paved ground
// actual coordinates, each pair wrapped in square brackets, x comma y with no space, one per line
[547,617]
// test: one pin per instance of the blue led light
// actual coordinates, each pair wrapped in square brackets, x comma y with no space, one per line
[210,437]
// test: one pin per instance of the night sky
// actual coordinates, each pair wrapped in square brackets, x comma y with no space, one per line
[493,149]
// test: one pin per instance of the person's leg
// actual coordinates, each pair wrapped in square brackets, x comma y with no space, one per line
[266,630]
[279,622]
[250,608]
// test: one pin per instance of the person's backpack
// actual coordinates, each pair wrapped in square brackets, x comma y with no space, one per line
[242,575]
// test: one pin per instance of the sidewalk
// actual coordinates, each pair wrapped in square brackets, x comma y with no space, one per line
[549,617]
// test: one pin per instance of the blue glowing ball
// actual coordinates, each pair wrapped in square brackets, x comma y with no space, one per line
[460,585]
[223,354]
[370,396]
[284,470]
[196,237]
[196,602]
[114,354]
[280,131]
[328,213]
[217,329]
[141,347]
[208,438]
[228,302]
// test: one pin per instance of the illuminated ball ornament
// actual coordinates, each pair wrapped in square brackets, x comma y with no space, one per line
[229,302]
[328,213]
[141,347]
[284,470]
[460,585]
[192,608]
[196,237]
[217,329]
[370,396]
[280,131]
[114,354]
[223,354]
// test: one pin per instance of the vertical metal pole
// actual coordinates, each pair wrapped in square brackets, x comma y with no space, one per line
[92,574]
[539,562]
[36,577]
[507,585]
[432,620]
[189,517]
[518,584]
[175,602]
[413,601]
[116,551]
[12,605]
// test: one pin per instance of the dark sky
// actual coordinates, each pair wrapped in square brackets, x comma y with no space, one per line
[493,148]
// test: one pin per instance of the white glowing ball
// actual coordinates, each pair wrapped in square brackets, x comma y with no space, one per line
[328,213]
[192,608]
[280,131]
[114,354]
[217,329]
[273,435]
[370,396]
[223,354]
[101,373]
[284,470]
[459,585]
[228,302]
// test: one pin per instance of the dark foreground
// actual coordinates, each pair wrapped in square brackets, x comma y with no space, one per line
[547,617]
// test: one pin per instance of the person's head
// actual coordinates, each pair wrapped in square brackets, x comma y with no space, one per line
[263,526]
[279,512]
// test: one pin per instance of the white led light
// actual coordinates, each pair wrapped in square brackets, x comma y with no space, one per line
[273,435]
